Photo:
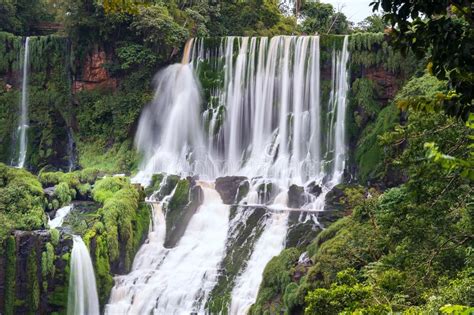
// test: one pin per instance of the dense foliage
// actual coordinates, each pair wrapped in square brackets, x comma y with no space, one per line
[21,201]
[427,28]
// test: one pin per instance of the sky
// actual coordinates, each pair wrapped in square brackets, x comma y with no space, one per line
[355,10]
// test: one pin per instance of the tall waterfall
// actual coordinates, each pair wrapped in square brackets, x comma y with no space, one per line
[23,122]
[269,116]
[265,118]
[82,295]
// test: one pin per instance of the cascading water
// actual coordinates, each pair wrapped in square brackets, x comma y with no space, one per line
[82,294]
[23,122]
[270,244]
[61,214]
[177,280]
[266,119]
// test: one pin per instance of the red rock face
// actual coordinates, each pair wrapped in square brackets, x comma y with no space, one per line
[386,81]
[94,75]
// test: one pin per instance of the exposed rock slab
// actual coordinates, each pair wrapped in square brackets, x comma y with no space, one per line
[229,186]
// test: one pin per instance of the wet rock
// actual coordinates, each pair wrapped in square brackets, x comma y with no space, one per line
[242,191]
[31,282]
[229,186]
[94,74]
[239,248]
[49,192]
[182,206]
[296,196]
[302,229]
[266,192]
[314,189]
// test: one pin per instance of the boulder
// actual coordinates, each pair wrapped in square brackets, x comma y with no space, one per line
[182,206]
[296,196]
[229,186]
[314,189]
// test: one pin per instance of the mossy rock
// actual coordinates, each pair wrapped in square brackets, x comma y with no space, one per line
[183,204]
[238,252]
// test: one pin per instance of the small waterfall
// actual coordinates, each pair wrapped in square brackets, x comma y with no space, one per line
[23,123]
[82,295]
[61,214]
[338,99]
[169,132]
[177,280]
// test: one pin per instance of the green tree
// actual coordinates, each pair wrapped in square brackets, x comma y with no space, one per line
[442,31]
[322,18]
[372,24]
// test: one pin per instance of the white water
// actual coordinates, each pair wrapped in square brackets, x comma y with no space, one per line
[265,120]
[61,214]
[177,280]
[272,125]
[23,123]
[82,295]
[270,244]
[169,132]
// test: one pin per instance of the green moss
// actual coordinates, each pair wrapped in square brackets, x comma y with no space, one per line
[180,197]
[141,224]
[10,275]
[120,158]
[106,188]
[54,237]
[47,265]
[276,277]
[64,194]
[102,268]
[21,200]
[155,184]
[33,296]
[369,153]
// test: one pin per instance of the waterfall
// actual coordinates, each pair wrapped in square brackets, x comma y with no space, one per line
[23,122]
[169,132]
[177,280]
[273,116]
[61,214]
[272,123]
[82,295]
[338,95]
[270,244]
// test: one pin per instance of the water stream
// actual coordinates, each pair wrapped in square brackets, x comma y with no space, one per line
[23,121]
[82,294]
[177,280]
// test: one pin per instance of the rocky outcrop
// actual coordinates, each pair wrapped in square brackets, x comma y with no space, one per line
[33,273]
[229,186]
[299,196]
[387,82]
[94,75]
[182,206]
[248,227]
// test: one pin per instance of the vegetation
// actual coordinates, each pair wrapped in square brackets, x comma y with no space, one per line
[405,244]
[427,28]
[21,201]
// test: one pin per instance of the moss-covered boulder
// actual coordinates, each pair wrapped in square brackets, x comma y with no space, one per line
[246,226]
[186,199]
